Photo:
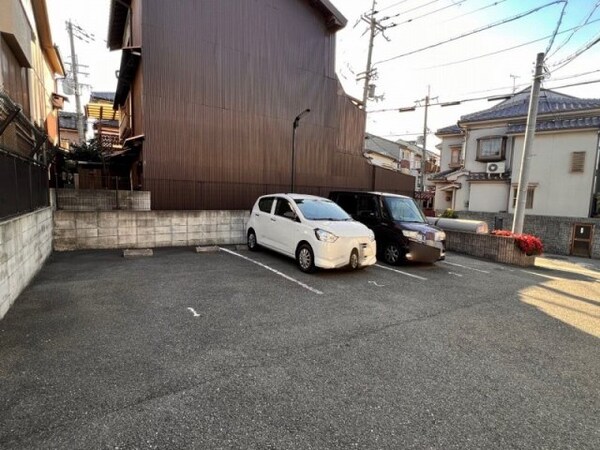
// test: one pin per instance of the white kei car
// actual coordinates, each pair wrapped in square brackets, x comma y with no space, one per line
[313,230]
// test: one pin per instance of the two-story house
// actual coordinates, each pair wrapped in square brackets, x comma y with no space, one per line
[481,158]
[209,92]
[29,106]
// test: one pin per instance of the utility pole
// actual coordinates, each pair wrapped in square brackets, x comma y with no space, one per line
[368,73]
[374,27]
[424,151]
[519,217]
[76,88]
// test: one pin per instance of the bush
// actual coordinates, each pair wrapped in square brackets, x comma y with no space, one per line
[449,214]
[528,244]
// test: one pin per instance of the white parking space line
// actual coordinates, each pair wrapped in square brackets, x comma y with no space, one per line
[542,275]
[287,277]
[194,312]
[465,267]
[403,273]
[455,274]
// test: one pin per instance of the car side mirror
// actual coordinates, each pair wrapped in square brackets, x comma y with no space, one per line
[290,215]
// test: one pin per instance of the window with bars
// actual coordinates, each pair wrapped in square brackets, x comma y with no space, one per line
[577,162]
[529,201]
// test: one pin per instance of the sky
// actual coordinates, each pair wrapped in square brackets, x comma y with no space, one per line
[406,79]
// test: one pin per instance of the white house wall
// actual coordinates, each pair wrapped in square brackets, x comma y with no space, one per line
[471,164]
[559,192]
[488,197]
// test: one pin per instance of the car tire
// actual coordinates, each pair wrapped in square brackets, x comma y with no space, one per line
[354,262]
[391,253]
[251,241]
[305,258]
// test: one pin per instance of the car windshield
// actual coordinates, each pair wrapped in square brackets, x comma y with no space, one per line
[317,209]
[404,209]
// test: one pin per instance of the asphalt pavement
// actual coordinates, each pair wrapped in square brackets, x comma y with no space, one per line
[242,350]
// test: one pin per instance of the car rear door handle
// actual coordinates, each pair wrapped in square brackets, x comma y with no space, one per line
[256,214]
[273,219]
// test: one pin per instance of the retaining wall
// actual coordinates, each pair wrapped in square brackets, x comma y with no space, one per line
[487,246]
[75,230]
[555,232]
[25,244]
[106,200]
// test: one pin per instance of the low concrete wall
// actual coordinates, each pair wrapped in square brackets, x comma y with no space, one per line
[555,232]
[25,243]
[147,229]
[101,200]
[487,246]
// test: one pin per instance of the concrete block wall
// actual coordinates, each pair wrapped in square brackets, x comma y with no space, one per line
[74,230]
[555,232]
[487,246]
[107,200]
[25,244]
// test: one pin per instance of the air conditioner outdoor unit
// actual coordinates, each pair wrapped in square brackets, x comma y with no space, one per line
[496,167]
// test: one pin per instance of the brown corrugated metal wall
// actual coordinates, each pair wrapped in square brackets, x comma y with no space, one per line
[223,82]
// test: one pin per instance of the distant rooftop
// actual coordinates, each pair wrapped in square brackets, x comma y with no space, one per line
[106,96]
[518,106]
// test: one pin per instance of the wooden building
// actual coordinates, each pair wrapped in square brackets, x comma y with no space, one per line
[208,92]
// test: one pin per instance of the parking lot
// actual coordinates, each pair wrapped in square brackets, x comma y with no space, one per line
[237,349]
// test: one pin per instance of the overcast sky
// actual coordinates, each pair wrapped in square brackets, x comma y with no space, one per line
[403,80]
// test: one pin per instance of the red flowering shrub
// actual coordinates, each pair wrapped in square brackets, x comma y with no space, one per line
[528,244]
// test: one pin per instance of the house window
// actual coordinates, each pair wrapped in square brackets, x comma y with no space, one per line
[529,201]
[14,77]
[491,148]
[577,162]
[455,156]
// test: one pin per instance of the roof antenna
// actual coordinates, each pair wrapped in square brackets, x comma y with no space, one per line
[514,77]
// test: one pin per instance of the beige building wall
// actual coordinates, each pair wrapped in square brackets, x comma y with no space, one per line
[558,191]
[488,197]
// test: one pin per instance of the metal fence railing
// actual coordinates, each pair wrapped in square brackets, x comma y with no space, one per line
[23,185]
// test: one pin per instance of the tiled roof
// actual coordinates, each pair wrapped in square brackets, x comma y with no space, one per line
[558,124]
[393,149]
[484,176]
[518,105]
[381,145]
[440,176]
[67,120]
[107,96]
[452,129]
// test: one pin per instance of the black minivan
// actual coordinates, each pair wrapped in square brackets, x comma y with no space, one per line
[400,228]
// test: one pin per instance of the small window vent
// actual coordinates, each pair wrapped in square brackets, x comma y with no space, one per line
[577,162]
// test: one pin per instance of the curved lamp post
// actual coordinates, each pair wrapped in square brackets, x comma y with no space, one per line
[296,124]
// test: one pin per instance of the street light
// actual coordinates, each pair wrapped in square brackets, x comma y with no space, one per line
[295,125]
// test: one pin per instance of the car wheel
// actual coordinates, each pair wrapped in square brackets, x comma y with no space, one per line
[252,243]
[391,253]
[305,258]
[353,263]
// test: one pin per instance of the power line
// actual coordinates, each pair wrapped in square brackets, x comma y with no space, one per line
[410,10]
[576,54]
[485,55]
[562,14]
[488,98]
[427,14]
[391,6]
[474,11]
[575,30]
[477,30]
[528,84]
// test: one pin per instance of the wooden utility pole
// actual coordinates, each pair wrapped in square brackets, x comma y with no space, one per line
[368,74]
[424,150]
[76,87]
[519,217]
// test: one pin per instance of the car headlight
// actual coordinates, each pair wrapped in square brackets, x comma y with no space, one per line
[440,236]
[325,236]
[413,235]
